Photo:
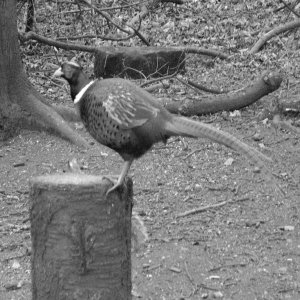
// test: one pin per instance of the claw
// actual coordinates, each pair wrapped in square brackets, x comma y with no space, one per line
[115,187]
[114,179]
[120,179]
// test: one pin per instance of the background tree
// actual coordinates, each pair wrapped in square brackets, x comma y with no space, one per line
[20,104]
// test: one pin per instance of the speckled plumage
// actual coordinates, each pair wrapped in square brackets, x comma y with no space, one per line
[112,118]
[129,120]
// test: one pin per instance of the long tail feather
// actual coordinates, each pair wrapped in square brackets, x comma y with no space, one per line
[187,127]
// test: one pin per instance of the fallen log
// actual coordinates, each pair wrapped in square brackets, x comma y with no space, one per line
[235,100]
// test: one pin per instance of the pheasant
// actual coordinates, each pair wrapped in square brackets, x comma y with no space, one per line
[124,117]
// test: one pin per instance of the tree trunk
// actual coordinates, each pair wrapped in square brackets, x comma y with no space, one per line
[20,103]
[80,238]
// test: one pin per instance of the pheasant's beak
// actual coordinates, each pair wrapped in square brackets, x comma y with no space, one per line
[58,73]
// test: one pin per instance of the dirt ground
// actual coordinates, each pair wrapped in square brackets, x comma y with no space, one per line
[247,249]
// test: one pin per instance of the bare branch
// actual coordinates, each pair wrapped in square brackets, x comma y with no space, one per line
[104,15]
[160,79]
[212,206]
[208,52]
[108,18]
[94,36]
[67,46]
[288,6]
[204,88]
[274,32]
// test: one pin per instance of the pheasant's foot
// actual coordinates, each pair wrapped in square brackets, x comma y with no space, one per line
[112,178]
[121,177]
[115,187]
[115,180]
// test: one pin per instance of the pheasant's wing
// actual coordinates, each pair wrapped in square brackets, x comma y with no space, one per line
[129,110]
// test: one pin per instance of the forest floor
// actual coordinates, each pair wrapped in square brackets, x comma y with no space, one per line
[248,248]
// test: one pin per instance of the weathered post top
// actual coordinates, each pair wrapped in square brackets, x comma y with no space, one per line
[81,239]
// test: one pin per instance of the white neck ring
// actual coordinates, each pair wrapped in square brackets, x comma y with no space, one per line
[82,91]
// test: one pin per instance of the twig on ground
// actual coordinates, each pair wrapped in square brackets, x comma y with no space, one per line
[272,33]
[108,19]
[204,88]
[213,206]
[159,79]
[188,274]
[288,6]
[195,286]
[188,85]
[193,152]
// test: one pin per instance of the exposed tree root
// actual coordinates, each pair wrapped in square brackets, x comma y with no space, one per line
[37,113]
[68,113]
[51,118]
[268,83]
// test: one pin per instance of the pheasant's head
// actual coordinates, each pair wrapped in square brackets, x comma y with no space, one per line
[73,73]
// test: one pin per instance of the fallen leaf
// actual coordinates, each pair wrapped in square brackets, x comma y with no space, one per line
[16,264]
[229,161]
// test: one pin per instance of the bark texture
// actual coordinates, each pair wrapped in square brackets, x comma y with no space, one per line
[81,239]
[268,83]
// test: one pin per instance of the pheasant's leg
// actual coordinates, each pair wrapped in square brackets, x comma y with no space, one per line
[125,169]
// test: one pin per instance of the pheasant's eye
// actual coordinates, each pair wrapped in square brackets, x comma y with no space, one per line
[68,72]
